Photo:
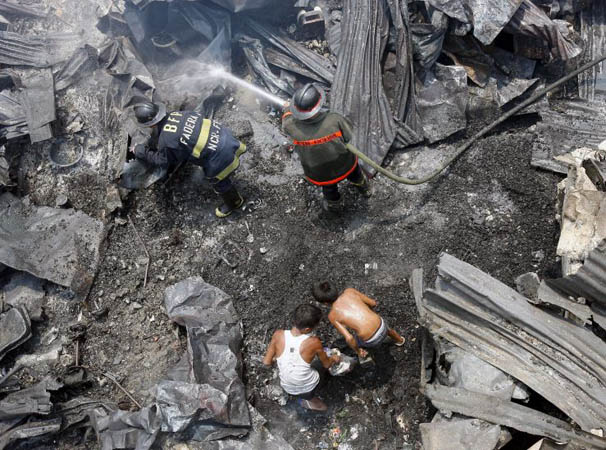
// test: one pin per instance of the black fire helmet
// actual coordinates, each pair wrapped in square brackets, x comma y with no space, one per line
[149,114]
[307,101]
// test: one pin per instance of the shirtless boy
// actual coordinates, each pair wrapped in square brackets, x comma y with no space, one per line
[352,310]
[294,350]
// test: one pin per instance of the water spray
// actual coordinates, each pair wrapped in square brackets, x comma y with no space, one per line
[219,72]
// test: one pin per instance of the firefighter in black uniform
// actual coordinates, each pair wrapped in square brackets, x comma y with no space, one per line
[182,136]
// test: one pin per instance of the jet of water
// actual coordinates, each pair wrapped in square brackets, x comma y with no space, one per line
[219,72]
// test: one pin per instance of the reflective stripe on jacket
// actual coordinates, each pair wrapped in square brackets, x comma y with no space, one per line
[187,136]
[320,144]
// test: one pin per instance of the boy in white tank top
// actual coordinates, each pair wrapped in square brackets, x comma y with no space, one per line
[294,350]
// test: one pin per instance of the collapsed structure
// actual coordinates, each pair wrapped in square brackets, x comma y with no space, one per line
[405,72]
[492,344]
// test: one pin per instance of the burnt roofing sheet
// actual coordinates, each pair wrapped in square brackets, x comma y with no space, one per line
[589,282]
[562,361]
[510,414]
[592,82]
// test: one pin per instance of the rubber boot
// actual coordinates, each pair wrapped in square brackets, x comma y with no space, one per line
[364,186]
[231,200]
[333,206]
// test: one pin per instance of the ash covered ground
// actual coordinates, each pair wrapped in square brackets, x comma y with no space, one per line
[490,209]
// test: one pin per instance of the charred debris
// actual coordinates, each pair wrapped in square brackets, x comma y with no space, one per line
[405,72]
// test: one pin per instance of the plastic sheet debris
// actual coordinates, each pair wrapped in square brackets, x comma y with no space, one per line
[558,359]
[59,245]
[283,61]
[15,329]
[25,290]
[122,429]
[259,437]
[39,104]
[333,31]
[203,397]
[488,17]
[509,89]
[213,388]
[78,409]
[442,102]
[408,129]
[530,21]
[428,38]
[138,174]
[346,365]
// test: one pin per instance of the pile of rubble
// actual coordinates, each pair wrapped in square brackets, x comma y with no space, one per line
[404,72]
[495,349]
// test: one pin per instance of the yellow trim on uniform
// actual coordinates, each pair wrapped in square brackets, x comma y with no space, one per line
[234,164]
[202,138]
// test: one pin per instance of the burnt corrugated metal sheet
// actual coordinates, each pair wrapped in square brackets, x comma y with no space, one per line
[592,82]
[559,132]
[589,282]
[503,412]
[562,361]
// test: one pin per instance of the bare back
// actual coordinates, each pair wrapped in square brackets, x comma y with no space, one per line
[353,310]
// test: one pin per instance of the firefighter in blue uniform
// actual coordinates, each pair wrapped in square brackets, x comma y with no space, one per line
[182,136]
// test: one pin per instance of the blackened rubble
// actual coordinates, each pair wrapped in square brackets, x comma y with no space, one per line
[132,318]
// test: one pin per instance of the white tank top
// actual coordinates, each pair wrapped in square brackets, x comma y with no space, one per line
[296,376]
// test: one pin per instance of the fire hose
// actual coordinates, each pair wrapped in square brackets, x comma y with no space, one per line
[480,134]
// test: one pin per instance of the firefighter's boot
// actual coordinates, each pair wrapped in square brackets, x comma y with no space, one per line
[333,206]
[231,200]
[364,186]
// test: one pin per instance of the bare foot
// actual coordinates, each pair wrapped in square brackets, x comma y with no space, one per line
[315,404]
